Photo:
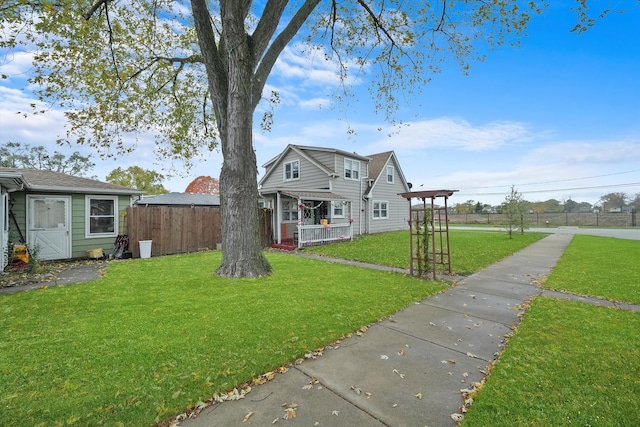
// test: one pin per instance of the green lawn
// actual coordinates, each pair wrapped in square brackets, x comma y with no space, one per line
[155,336]
[569,364]
[471,251]
[572,363]
[599,266]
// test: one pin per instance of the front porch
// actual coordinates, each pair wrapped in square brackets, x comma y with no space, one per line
[308,218]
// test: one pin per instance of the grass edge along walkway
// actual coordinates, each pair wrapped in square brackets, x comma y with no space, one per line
[574,360]
[154,336]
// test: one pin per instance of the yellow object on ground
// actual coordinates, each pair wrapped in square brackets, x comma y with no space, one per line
[20,252]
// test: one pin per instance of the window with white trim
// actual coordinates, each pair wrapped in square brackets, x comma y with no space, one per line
[351,169]
[101,216]
[292,170]
[337,209]
[390,172]
[289,210]
[380,209]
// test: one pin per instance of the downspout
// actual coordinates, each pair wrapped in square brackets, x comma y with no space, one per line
[360,210]
[278,218]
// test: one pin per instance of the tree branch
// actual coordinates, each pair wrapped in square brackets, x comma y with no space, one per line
[273,52]
[267,25]
[88,14]
[214,65]
[376,22]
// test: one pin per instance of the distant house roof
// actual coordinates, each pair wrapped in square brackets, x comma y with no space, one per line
[180,199]
[58,182]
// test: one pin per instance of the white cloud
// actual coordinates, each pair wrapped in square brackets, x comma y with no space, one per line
[457,134]
[587,152]
[315,103]
[17,65]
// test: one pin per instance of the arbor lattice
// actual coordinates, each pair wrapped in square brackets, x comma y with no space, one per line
[429,233]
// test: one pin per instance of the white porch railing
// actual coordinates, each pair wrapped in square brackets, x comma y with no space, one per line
[309,235]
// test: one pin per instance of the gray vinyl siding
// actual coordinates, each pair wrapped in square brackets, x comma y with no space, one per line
[323,157]
[398,207]
[311,177]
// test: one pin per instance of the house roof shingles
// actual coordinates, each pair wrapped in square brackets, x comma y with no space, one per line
[45,180]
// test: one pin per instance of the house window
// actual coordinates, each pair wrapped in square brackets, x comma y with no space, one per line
[390,174]
[380,209]
[351,169]
[101,218]
[337,209]
[292,170]
[289,210]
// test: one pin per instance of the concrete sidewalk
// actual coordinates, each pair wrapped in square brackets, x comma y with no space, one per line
[407,370]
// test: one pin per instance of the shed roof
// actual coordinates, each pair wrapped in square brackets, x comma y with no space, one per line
[180,199]
[58,182]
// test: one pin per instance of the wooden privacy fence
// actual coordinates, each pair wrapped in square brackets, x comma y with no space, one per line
[181,229]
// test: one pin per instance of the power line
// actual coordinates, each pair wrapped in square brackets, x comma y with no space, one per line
[550,182]
[553,191]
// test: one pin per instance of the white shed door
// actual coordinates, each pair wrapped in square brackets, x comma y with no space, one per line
[48,228]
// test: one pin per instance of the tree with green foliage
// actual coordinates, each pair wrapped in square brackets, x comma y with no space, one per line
[136,177]
[614,201]
[514,210]
[24,156]
[193,72]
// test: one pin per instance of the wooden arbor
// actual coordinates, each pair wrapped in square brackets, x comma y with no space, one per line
[429,232]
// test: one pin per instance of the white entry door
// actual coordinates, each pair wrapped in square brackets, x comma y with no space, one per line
[48,226]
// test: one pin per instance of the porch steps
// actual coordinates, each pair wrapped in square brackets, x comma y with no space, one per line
[284,246]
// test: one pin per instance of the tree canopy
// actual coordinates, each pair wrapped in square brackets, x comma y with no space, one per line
[18,155]
[192,73]
[203,185]
[136,177]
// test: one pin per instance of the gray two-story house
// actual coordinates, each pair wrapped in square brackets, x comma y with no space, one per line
[319,195]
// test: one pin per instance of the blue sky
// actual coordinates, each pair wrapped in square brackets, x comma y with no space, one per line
[558,117]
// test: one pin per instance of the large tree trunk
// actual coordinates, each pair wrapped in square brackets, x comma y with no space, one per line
[241,245]
[231,59]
